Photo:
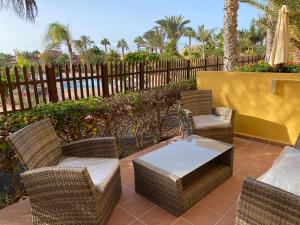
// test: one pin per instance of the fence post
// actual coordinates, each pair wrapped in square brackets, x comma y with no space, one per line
[217,63]
[205,64]
[168,72]
[188,73]
[104,75]
[142,77]
[51,83]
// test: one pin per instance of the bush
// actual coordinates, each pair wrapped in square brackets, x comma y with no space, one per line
[265,67]
[140,56]
[140,115]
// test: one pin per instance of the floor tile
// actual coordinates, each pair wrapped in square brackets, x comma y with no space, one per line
[181,221]
[158,216]
[225,221]
[201,215]
[137,222]
[231,213]
[217,202]
[120,217]
[137,205]
[231,188]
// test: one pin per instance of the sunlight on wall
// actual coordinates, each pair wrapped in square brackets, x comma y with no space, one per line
[260,113]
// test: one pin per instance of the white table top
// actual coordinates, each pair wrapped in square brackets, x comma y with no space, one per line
[184,156]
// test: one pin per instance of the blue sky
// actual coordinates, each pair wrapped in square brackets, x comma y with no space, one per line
[114,19]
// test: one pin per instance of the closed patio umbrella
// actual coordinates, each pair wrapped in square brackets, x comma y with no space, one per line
[279,54]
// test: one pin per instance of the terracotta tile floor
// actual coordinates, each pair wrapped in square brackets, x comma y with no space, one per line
[251,159]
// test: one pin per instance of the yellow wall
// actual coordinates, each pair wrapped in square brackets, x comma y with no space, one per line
[260,113]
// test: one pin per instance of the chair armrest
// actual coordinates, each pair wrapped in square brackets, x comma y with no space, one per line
[59,190]
[188,122]
[265,204]
[226,113]
[103,147]
[297,144]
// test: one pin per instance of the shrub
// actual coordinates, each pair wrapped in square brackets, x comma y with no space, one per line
[265,67]
[140,115]
[140,56]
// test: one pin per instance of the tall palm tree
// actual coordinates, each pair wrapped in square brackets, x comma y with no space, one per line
[139,41]
[122,44]
[57,35]
[83,43]
[26,9]
[270,9]
[203,35]
[230,34]
[155,39]
[190,34]
[105,42]
[174,27]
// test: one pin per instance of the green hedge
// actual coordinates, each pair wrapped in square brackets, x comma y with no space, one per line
[265,67]
[135,114]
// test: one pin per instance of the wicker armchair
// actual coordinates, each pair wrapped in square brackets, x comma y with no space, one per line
[215,123]
[264,204]
[62,187]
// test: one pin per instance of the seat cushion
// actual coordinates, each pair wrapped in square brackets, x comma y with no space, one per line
[209,121]
[285,171]
[101,170]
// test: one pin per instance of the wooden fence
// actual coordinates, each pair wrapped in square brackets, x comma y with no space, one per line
[23,88]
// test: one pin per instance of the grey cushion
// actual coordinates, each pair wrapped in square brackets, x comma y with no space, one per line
[209,121]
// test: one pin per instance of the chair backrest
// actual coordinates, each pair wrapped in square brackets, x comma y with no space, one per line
[199,102]
[37,145]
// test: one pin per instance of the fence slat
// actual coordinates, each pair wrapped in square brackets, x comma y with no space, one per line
[87,86]
[36,96]
[10,89]
[68,81]
[62,88]
[18,85]
[27,87]
[98,79]
[92,79]
[80,81]
[3,95]
[42,84]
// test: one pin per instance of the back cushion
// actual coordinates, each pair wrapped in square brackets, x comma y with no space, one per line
[37,145]
[199,102]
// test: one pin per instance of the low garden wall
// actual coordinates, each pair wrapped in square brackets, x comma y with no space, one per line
[267,104]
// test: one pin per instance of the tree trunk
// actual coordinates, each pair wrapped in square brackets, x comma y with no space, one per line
[70,55]
[123,52]
[230,34]
[270,35]
[203,49]
[105,48]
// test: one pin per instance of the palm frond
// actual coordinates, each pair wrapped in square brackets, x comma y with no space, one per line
[23,8]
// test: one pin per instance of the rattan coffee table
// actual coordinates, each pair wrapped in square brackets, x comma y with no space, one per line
[178,175]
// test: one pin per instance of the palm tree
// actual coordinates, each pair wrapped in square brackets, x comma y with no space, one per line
[203,35]
[190,34]
[174,27]
[230,34]
[23,8]
[83,43]
[270,8]
[122,44]
[139,41]
[105,42]
[57,35]
[155,39]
